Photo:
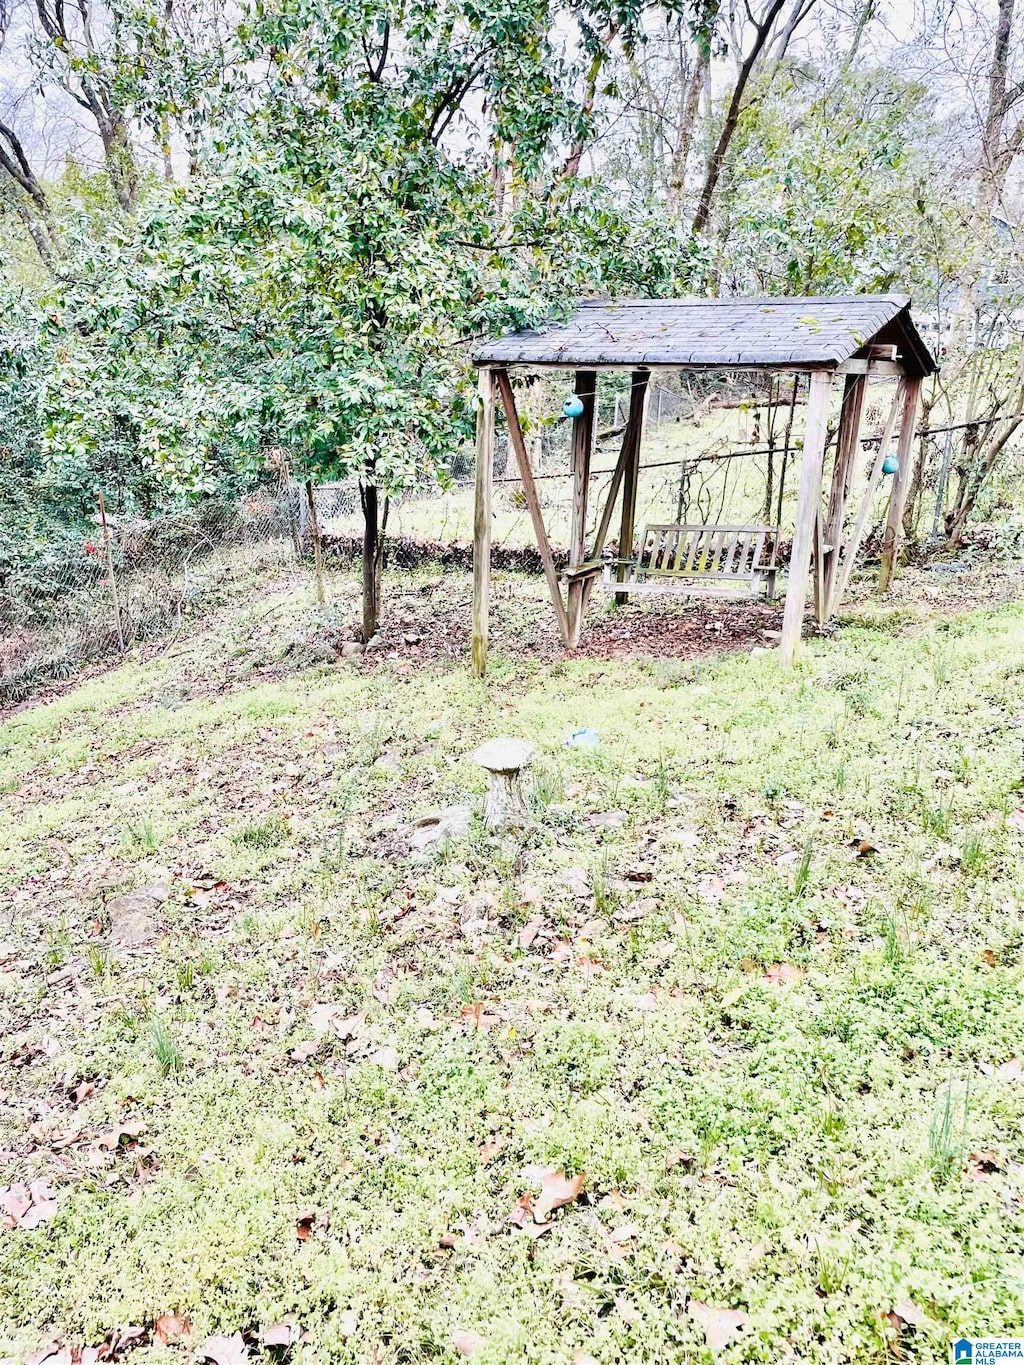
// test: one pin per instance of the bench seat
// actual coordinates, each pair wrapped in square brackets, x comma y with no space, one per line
[706,561]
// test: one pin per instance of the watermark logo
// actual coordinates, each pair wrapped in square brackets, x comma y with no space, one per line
[988,1350]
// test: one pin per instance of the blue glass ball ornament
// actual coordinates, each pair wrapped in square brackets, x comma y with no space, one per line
[573,407]
[890,465]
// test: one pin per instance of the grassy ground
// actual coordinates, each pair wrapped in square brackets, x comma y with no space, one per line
[752,980]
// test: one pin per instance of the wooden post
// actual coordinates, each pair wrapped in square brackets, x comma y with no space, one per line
[630,436]
[109,556]
[900,484]
[582,445]
[807,509]
[515,433]
[318,558]
[637,407]
[847,448]
[482,520]
[820,598]
[852,546]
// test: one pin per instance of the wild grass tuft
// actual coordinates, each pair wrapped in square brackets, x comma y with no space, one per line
[268,833]
[165,1050]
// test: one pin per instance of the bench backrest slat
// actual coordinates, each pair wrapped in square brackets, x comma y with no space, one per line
[691,551]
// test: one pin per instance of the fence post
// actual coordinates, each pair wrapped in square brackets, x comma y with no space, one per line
[110,573]
[303,515]
[318,561]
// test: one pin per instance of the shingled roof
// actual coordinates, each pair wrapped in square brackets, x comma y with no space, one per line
[780,333]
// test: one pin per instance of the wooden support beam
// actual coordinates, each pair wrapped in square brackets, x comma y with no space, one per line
[631,472]
[900,485]
[515,433]
[881,369]
[631,433]
[482,520]
[807,510]
[582,446]
[820,600]
[847,447]
[852,547]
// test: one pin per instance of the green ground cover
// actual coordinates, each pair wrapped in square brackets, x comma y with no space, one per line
[751,980]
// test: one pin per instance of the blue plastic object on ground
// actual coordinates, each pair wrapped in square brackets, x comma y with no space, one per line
[583,739]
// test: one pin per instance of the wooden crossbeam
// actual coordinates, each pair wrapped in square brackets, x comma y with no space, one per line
[515,432]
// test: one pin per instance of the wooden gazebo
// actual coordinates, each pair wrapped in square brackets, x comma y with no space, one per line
[858,338]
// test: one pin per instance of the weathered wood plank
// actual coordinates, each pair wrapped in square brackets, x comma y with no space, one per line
[482,521]
[808,507]
[631,476]
[518,441]
[852,547]
[847,447]
[900,485]
[632,434]
[581,447]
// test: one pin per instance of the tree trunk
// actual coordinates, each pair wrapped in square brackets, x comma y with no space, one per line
[914,489]
[689,103]
[375,520]
[762,32]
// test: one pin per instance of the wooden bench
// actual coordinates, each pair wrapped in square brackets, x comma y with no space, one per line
[712,561]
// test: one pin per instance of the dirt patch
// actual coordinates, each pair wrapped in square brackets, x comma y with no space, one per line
[682,630]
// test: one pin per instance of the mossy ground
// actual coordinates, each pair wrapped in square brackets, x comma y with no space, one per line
[785,1062]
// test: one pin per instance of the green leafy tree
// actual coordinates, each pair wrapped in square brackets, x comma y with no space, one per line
[317,282]
[829,188]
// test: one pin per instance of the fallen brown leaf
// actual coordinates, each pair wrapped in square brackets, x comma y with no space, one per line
[284,1333]
[782,973]
[682,1158]
[910,1313]
[557,1190]
[491,1149]
[129,1129]
[468,1342]
[478,1016]
[1006,1071]
[626,1232]
[626,1310]
[863,848]
[170,1327]
[720,1324]
[224,1350]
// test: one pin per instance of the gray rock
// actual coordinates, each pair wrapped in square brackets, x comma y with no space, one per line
[434,831]
[133,918]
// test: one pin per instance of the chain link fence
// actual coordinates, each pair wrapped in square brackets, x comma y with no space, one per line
[89,595]
[95,593]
